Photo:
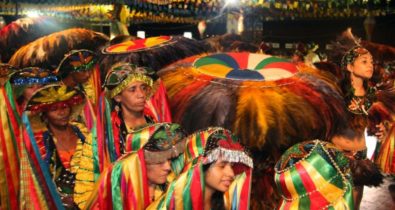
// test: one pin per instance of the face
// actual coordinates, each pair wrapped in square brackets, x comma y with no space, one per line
[157,173]
[81,77]
[349,147]
[133,97]
[58,116]
[362,66]
[29,91]
[219,176]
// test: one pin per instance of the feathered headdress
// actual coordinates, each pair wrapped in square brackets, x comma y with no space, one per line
[153,52]
[23,31]
[265,100]
[47,52]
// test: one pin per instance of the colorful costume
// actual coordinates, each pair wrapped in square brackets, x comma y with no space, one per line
[371,109]
[63,165]
[10,142]
[314,175]
[124,185]
[203,148]
[120,138]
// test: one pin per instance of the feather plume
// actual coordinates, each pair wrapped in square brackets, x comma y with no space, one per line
[218,110]
[377,113]
[48,51]
[159,57]
[23,31]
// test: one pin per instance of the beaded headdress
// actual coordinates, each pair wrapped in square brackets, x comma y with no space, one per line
[167,142]
[314,175]
[31,76]
[122,74]
[352,54]
[76,61]
[202,148]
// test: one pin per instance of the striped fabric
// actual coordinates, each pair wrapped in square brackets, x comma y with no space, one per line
[313,175]
[186,192]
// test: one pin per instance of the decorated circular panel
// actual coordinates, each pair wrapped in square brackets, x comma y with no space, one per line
[137,45]
[245,66]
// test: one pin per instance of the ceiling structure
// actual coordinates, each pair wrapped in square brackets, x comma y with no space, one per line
[193,11]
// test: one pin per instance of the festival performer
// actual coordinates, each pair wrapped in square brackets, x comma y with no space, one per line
[65,146]
[139,177]
[370,105]
[216,175]
[129,87]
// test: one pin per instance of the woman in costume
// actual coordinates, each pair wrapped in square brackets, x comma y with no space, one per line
[139,177]
[27,80]
[64,145]
[129,87]
[216,175]
[314,175]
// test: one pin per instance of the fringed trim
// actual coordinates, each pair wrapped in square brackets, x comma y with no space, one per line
[232,156]
[131,78]
[84,182]
[161,156]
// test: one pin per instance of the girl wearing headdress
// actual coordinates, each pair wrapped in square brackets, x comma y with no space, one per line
[370,105]
[139,177]
[65,146]
[216,174]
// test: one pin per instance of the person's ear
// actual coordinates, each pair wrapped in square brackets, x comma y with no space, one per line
[350,67]
[118,98]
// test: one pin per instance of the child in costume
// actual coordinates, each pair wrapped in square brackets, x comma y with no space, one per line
[139,177]
[216,175]
[64,145]
[314,175]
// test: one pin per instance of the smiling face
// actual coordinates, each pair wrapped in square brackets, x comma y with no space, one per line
[157,173]
[133,97]
[219,176]
[362,66]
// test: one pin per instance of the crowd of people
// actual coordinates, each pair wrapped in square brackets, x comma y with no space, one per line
[109,126]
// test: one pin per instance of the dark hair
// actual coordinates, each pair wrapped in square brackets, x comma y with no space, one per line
[217,199]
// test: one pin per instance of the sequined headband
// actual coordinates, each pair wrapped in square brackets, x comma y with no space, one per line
[31,76]
[77,99]
[352,54]
[122,74]
[222,145]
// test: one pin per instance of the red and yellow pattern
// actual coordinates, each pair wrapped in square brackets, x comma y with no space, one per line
[137,45]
